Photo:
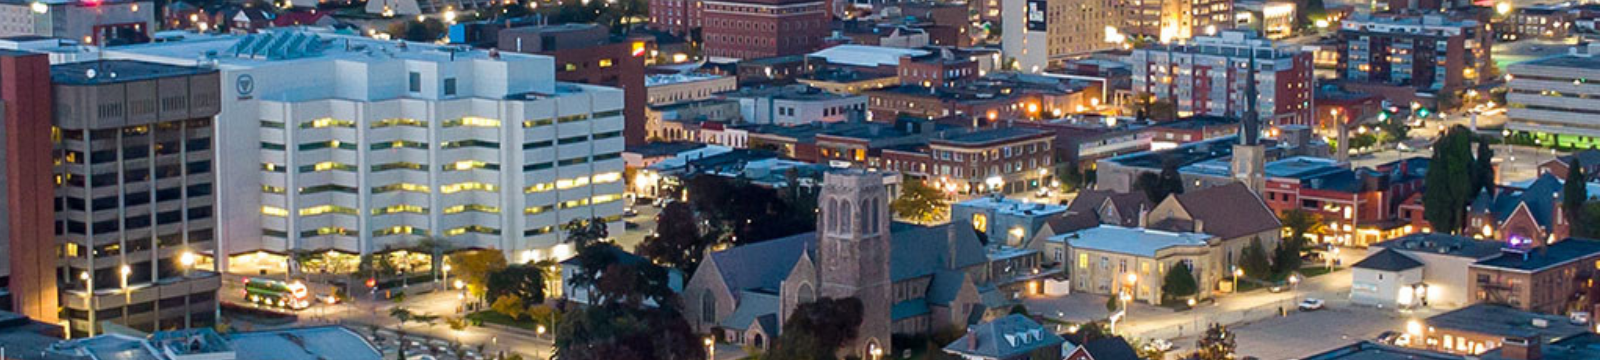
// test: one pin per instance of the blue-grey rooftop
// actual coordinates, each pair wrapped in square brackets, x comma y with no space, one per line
[1533,260]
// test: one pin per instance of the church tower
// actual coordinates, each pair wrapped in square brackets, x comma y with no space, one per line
[853,251]
[1249,156]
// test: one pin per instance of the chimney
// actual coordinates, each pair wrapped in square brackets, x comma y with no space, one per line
[1521,348]
[1199,226]
[972,342]
[1144,217]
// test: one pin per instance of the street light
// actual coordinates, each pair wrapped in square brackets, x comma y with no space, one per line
[876,352]
[1237,272]
[187,259]
[711,349]
[88,299]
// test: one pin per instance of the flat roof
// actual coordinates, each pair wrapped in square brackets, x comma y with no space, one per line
[1368,350]
[1300,167]
[990,136]
[1131,241]
[1442,244]
[1558,253]
[1565,60]
[866,55]
[668,79]
[311,343]
[1501,320]
[1584,346]
[118,71]
[1013,206]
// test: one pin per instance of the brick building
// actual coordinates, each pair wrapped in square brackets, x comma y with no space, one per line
[1419,53]
[1008,158]
[28,267]
[1207,76]
[749,29]
[1359,205]
[587,53]
[1544,278]
[984,100]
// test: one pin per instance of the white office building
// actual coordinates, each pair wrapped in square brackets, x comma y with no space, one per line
[357,145]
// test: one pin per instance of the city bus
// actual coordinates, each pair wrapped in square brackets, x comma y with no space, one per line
[277,294]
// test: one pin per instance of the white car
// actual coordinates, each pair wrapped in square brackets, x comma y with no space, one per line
[1311,304]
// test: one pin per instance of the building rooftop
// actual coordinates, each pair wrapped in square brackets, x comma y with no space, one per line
[865,55]
[1584,346]
[1131,241]
[1301,167]
[1388,261]
[791,92]
[1012,206]
[669,79]
[1532,260]
[1503,321]
[656,149]
[986,137]
[1451,245]
[1368,350]
[118,71]
[1005,338]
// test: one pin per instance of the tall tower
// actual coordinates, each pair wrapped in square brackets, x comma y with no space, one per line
[853,250]
[1249,157]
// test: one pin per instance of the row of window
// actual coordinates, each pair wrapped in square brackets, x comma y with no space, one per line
[133,222]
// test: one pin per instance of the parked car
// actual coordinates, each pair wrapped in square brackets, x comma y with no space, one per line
[1311,304]
[1388,337]
[1580,317]
[629,212]
[1277,287]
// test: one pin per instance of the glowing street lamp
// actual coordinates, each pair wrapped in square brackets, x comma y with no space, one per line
[1237,272]
[711,349]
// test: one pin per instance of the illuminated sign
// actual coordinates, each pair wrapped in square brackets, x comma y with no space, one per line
[638,48]
[1037,14]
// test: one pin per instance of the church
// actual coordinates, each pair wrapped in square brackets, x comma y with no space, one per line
[911,279]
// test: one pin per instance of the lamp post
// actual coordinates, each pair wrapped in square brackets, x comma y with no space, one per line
[711,349]
[1237,272]
[187,259]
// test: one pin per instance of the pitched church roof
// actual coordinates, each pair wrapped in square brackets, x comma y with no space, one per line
[1540,196]
[1127,205]
[1228,211]
[763,265]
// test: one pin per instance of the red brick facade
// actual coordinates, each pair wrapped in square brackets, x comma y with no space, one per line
[763,28]
[25,91]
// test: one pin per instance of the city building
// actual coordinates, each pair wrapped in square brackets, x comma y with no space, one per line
[28,267]
[684,121]
[138,179]
[1428,59]
[1114,260]
[1013,337]
[1201,164]
[1004,159]
[1520,215]
[1109,348]
[662,89]
[1173,20]
[1543,278]
[942,67]
[1552,100]
[1015,221]
[1589,159]
[676,16]
[986,100]
[1040,34]
[1576,347]
[1206,77]
[1170,134]
[1233,213]
[589,54]
[1082,140]
[1335,108]
[1359,205]
[749,29]
[796,105]
[1476,329]
[481,149]
[1419,270]
[114,22]
[408,8]
[912,280]
[1273,19]
[776,70]
[303,343]
[1539,22]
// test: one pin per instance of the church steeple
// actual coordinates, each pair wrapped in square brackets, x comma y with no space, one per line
[1249,156]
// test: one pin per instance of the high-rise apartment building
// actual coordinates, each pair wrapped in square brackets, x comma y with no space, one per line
[1174,20]
[27,223]
[1428,53]
[357,146]
[135,204]
[1209,75]
[676,16]
[1041,33]
[750,29]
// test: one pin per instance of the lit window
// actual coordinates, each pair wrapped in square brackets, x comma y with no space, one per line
[605,63]
[468,186]
[274,211]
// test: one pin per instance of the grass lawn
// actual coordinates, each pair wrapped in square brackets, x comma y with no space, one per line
[492,317]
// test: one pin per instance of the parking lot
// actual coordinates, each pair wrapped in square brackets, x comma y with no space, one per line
[1306,333]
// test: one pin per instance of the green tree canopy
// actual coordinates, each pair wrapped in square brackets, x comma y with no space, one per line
[1179,282]
[1574,193]
[816,330]
[524,282]
[474,266]
[1216,344]
[919,202]
[677,242]
[1448,180]
[1254,260]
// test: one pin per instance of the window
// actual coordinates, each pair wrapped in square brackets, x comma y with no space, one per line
[605,63]
[450,87]
[416,82]
[980,222]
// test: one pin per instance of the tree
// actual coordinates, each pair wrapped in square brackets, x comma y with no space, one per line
[1574,193]
[1179,282]
[473,268]
[1150,352]
[677,242]
[403,315]
[435,249]
[1254,260]
[583,232]
[1483,169]
[619,332]
[508,305]
[1286,257]
[1114,302]
[1301,223]
[525,282]
[919,202]
[1093,331]
[1070,176]
[1448,181]
[612,281]
[1157,186]
[1216,344]
[742,213]
[1019,309]
[817,329]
